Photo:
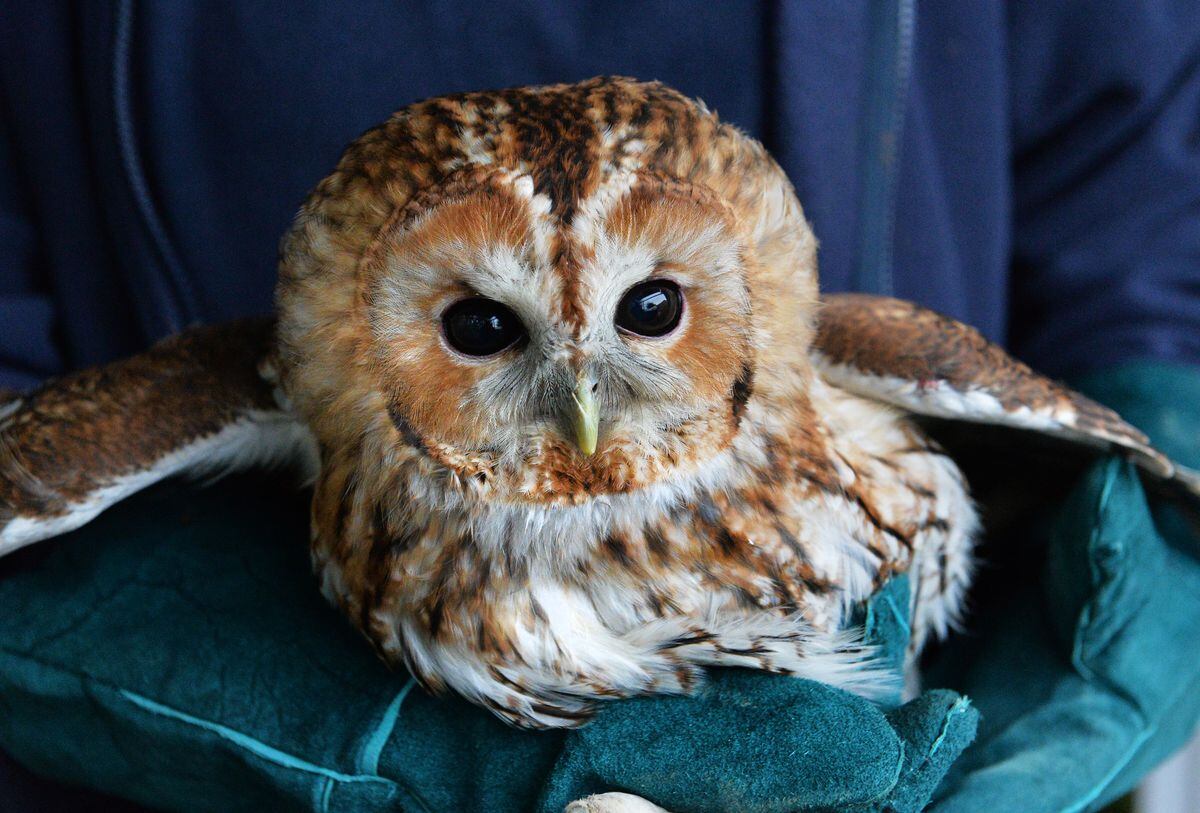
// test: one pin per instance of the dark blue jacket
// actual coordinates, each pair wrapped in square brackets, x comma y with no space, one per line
[1031,167]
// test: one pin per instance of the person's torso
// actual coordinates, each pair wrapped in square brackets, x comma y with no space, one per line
[199,127]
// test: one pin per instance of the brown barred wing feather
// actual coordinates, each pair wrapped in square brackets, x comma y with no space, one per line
[929,364]
[196,403]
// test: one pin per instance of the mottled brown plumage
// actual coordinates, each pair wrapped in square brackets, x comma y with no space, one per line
[938,360]
[752,480]
[79,434]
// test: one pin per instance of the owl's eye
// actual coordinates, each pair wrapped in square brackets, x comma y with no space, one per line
[481,327]
[651,308]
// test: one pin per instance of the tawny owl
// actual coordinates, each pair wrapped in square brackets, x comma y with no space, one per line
[579,422]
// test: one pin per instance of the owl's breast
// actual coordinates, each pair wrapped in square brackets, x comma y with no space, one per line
[537,613]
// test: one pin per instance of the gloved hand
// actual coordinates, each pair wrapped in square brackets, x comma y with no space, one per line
[751,741]
[176,652]
[1087,675]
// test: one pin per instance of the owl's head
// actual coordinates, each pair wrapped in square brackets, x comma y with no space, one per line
[547,293]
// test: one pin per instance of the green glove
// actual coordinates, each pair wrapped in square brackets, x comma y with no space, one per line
[1088,676]
[751,741]
[176,652]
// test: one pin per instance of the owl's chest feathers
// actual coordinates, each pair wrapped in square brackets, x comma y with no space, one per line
[775,548]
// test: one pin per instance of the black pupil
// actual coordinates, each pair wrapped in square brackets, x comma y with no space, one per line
[651,308]
[481,327]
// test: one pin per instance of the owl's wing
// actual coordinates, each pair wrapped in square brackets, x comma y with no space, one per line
[928,364]
[196,403]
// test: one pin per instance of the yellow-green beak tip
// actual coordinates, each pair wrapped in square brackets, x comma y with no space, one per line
[585,415]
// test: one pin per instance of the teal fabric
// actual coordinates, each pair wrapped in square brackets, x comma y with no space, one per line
[176,652]
[1089,675]
[1078,675]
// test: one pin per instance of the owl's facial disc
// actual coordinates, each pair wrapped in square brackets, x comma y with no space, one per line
[564,361]
[555,203]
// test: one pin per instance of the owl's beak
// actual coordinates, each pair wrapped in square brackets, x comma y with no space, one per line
[585,414]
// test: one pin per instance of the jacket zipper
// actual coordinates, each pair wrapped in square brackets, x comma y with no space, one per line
[892,28]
